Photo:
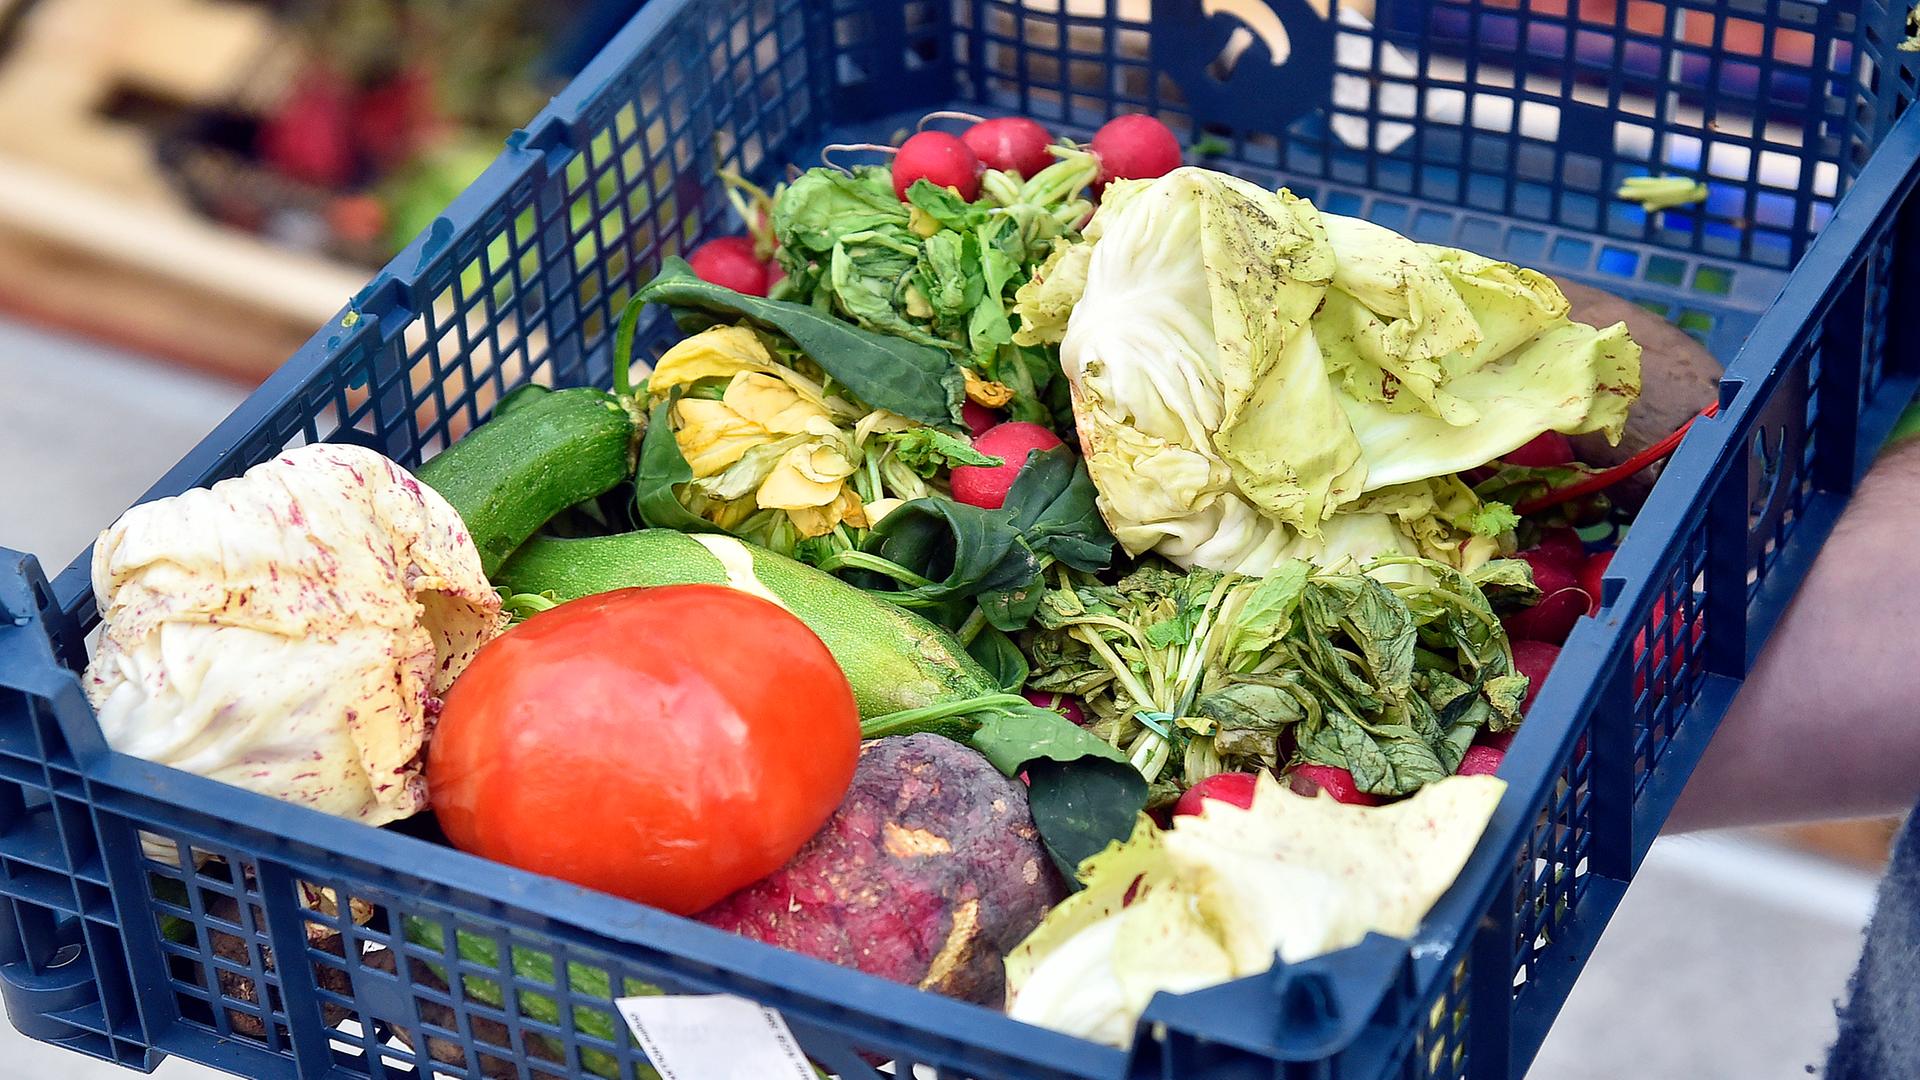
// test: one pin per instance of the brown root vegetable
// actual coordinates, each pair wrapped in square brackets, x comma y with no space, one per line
[1678,378]
[930,870]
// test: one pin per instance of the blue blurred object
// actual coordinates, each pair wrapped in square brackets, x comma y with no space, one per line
[596,22]
[1504,131]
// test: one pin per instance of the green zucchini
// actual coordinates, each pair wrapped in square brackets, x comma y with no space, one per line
[894,659]
[547,452]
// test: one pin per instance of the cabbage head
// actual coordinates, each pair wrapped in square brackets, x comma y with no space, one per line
[1255,380]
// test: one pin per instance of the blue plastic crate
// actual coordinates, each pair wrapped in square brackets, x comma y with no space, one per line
[1476,122]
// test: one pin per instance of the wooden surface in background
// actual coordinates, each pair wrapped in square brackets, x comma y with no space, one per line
[70,289]
[72,56]
[156,280]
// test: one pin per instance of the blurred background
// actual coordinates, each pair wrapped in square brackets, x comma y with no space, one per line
[189,187]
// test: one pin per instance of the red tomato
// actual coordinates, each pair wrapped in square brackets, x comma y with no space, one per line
[620,743]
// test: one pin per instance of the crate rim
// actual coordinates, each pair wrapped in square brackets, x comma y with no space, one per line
[534,152]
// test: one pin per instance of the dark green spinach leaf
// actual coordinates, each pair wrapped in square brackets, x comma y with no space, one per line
[1082,807]
[996,557]
[1001,657]
[1082,791]
[917,381]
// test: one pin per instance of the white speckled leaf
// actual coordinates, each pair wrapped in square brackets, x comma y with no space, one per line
[290,631]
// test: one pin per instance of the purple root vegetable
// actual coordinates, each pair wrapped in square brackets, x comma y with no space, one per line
[928,874]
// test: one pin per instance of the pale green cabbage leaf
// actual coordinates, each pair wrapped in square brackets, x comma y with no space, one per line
[1255,380]
[1221,894]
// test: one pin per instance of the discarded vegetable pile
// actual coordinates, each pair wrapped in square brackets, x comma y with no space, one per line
[1040,574]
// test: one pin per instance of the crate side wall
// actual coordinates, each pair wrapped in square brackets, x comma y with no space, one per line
[1535,111]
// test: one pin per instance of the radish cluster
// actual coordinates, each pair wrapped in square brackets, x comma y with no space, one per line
[1135,147]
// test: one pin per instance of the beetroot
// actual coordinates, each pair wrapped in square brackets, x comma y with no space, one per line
[1332,779]
[928,874]
[987,486]
[1228,787]
[1547,449]
[1481,760]
[1499,740]
[1562,602]
[1533,659]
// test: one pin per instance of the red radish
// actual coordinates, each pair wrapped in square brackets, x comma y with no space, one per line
[987,485]
[1533,659]
[1012,144]
[1480,760]
[1547,448]
[1332,779]
[775,274]
[1499,740]
[978,418]
[309,138]
[1136,147]
[941,159]
[729,262]
[1590,574]
[1228,787]
[1562,546]
[1064,704]
[1562,602]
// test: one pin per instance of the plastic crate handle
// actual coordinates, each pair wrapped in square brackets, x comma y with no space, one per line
[1311,1011]
[44,967]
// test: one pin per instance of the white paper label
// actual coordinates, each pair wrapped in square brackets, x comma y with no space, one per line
[714,1037]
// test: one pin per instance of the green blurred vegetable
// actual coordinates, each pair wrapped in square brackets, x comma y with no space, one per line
[1656,193]
[420,191]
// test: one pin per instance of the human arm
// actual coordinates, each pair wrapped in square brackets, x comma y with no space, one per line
[1827,724]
